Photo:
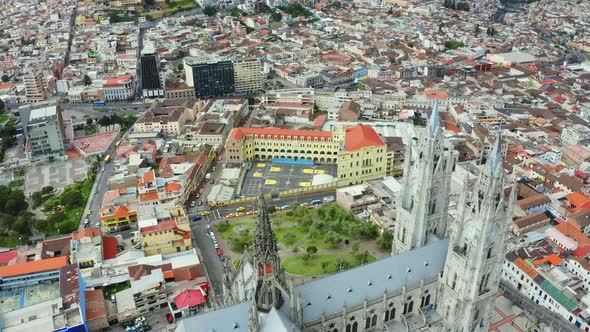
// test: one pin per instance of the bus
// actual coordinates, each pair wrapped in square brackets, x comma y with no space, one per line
[107,158]
[99,103]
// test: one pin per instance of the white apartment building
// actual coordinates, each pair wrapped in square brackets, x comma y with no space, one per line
[575,134]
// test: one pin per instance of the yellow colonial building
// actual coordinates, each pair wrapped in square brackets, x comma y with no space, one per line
[360,153]
[167,236]
[116,217]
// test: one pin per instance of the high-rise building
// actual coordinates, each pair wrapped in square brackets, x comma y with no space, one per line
[213,78]
[151,82]
[247,76]
[35,87]
[43,132]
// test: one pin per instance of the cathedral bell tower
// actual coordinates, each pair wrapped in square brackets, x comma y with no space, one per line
[270,285]
[476,249]
[423,208]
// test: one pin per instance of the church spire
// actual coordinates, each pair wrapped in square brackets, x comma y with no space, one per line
[434,123]
[423,208]
[476,249]
[270,285]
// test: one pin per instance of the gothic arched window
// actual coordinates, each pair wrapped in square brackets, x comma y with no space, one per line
[374,321]
[355,327]
[367,322]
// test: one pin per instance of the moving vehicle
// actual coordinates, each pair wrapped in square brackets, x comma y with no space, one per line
[316,202]
[107,158]
[197,218]
[99,103]
[208,177]
[205,213]
[304,204]
[328,199]
[240,209]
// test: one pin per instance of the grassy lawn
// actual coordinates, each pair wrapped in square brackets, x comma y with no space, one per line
[115,288]
[4,118]
[326,228]
[322,263]
[228,231]
[290,235]
[190,152]
[20,173]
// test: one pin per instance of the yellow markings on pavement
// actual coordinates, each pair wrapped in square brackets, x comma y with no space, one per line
[261,165]
[275,169]
[270,182]
[314,171]
[257,175]
[304,184]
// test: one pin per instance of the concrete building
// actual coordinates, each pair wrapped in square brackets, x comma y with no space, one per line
[120,88]
[247,76]
[575,134]
[35,87]
[211,77]
[43,132]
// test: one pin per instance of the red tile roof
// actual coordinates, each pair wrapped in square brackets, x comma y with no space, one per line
[238,133]
[149,196]
[95,306]
[33,267]
[7,256]
[359,137]
[577,198]
[172,186]
[86,232]
[164,226]
[189,298]
[118,80]
[109,247]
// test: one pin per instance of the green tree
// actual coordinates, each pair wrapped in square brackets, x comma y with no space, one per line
[356,246]
[72,199]
[324,266]
[384,241]
[271,209]
[47,190]
[311,250]
[180,67]
[87,81]
[210,11]
[276,17]
[89,121]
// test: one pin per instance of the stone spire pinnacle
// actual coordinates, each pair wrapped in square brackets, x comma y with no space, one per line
[270,285]
[434,124]
[495,157]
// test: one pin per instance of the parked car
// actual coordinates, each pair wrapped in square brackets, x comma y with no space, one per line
[200,203]
[316,202]
[240,209]
[328,199]
[113,298]
[197,218]
[205,213]
[169,318]
[193,204]
[219,252]
[198,195]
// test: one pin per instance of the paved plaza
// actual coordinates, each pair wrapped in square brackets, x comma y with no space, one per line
[280,177]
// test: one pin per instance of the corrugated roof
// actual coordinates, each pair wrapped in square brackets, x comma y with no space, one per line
[555,293]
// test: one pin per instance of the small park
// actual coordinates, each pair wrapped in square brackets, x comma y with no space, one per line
[312,241]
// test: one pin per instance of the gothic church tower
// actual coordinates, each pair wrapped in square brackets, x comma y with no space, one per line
[423,209]
[270,285]
[472,270]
